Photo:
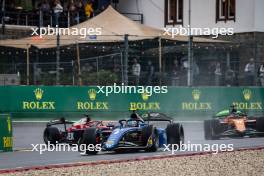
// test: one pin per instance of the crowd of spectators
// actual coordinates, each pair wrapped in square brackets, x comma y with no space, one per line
[76,10]
[250,73]
[213,73]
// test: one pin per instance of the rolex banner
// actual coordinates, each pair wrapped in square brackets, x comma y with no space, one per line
[6,141]
[178,102]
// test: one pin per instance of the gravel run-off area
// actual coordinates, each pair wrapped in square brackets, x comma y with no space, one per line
[242,163]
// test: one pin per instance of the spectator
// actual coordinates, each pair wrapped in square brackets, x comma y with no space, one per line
[250,73]
[45,9]
[218,74]
[72,11]
[11,6]
[103,4]
[175,74]
[89,9]
[211,69]
[196,72]
[116,68]
[80,10]
[261,74]
[136,71]
[229,76]
[57,10]
[150,73]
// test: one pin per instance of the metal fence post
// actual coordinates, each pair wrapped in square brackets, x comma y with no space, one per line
[51,20]
[97,71]
[28,64]
[160,60]
[26,19]
[73,73]
[122,67]
[126,60]
[35,73]
[40,18]
[69,19]
[3,17]
[58,57]
[78,18]
[79,64]
[190,63]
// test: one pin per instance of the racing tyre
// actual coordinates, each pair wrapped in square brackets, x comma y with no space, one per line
[216,129]
[147,132]
[154,141]
[51,134]
[208,130]
[89,137]
[175,134]
[260,125]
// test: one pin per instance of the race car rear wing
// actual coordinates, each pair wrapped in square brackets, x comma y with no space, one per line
[155,116]
[58,122]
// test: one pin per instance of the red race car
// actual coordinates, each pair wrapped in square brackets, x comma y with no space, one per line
[64,131]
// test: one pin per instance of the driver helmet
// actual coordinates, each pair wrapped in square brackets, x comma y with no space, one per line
[88,118]
[132,123]
[134,114]
[233,109]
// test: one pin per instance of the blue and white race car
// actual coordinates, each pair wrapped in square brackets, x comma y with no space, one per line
[139,134]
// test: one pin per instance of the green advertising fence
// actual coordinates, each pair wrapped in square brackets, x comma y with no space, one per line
[56,101]
[6,140]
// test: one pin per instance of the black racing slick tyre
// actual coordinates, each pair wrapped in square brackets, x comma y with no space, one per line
[208,130]
[216,129]
[260,125]
[154,141]
[175,134]
[146,132]
[51,134]
[88,138]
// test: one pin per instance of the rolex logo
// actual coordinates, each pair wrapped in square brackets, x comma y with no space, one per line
[38,93]
[92,94]
[145,96]
[247,94]
[196,94]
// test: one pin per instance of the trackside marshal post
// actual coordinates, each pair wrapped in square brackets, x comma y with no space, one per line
[6,139]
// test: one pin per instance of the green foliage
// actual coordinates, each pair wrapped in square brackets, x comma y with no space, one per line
[103,77]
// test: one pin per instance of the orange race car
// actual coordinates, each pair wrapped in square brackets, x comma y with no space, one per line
[232,123]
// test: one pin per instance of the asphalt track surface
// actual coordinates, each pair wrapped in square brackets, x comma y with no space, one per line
[26,134]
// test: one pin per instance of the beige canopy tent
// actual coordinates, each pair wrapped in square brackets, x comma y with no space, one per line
[113,27]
